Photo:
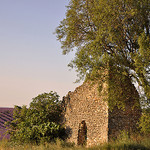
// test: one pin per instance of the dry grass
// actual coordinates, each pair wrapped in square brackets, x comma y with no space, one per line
[135,142]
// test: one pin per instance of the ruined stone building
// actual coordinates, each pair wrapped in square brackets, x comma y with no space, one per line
[89,117]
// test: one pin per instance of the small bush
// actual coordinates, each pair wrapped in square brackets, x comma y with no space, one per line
[40,122]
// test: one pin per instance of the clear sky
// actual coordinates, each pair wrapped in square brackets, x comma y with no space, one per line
[31,60]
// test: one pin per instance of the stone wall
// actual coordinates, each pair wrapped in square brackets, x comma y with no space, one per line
[88,107]
[85,104]
[122,117]
[123,120]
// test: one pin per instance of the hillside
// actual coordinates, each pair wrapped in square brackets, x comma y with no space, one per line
[6,114]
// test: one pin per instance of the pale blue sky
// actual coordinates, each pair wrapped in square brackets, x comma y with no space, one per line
[31,60]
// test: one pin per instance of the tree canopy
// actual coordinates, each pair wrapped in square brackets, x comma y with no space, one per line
[102,32]
[38,123]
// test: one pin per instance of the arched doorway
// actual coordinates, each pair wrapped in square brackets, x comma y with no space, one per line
[82,133]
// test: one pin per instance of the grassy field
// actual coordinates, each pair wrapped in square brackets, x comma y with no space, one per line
[124,143]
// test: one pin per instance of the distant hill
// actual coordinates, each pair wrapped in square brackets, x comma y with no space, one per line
[6,114]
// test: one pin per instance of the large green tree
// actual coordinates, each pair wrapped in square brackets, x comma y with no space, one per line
[114,32]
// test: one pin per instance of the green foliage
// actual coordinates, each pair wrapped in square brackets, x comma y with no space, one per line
[114,33]
[144,123]
[38,123]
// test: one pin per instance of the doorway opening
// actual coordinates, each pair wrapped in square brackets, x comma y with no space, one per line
[82,133]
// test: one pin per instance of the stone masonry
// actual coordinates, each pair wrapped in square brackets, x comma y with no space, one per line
[88,118]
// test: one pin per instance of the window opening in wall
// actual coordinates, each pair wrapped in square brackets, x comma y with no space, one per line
[82,133]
